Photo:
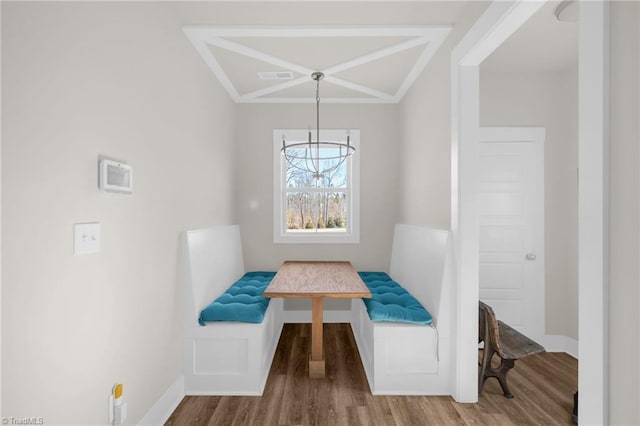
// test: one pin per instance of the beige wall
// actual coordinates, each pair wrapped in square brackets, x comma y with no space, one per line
[425,190]
[549,100]
[624,223]
[121,80]
[379,179]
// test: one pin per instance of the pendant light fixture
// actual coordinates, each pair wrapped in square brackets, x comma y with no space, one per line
[318,157]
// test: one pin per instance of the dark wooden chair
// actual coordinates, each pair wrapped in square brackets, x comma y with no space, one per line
[509,344]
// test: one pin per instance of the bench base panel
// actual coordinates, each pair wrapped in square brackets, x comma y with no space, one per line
[399,359]
[231,358]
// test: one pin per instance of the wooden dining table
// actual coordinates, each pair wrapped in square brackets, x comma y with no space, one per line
[317,280]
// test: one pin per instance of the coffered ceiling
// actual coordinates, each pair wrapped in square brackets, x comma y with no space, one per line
[368,64]
[371,52]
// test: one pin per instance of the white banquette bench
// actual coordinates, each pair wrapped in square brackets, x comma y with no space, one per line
[234,358]
[222,358]
[411,359]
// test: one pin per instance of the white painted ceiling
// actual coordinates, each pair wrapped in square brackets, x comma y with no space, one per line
[361,64]
[395,58]
[541,44]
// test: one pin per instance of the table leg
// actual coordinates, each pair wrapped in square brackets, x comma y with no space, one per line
[316,363]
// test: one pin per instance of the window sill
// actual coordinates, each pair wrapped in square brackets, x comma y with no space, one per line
[322,238]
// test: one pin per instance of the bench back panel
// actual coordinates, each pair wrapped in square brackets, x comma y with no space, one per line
[214,262]
[419,262]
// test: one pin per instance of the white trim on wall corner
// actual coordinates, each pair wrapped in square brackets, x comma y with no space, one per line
[593,211]
[499,21]
[558,343]
[160,412]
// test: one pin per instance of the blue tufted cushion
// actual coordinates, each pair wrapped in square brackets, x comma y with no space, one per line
[390,302]
[374,276]
[242,302]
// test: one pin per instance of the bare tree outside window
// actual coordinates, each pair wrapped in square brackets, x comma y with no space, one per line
[317,205]
[318,202]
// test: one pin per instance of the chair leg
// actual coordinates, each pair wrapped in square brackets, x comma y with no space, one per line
[501,375]
[485,366]
[481,372]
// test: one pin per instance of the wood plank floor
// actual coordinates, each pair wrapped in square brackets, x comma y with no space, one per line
[543,386]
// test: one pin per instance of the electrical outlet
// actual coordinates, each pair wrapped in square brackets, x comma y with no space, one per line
[117,406]
[120,414]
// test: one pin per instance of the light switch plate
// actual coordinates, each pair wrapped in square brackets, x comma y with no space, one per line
[86,238]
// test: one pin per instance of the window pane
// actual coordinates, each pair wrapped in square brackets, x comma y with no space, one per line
[333,173]
[316,212]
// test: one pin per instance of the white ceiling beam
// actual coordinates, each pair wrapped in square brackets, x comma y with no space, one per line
[256,54]
[272,89]
[213,64]
[408,44]
[359,88]
[372,31]
[324,101]
[201,37]
[428,52]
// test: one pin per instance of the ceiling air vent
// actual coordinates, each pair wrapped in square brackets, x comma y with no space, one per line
[275,75]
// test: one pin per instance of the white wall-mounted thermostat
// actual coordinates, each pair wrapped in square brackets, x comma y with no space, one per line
[116,177]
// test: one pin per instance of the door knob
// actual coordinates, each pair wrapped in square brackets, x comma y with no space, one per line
[531,256]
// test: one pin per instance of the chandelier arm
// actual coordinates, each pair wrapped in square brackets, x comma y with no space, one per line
[312,169]
[312,159]
[293,165]
[297,167]
[344,150]
[335,167]
[318,124]
[315,162]
[316,167]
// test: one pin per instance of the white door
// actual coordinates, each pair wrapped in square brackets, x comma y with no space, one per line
[511,221]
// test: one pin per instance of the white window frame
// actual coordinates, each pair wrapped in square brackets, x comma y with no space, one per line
[280,234]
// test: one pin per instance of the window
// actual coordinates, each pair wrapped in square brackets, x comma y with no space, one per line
[310,210]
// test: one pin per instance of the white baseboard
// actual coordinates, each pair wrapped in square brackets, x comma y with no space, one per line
[557,343]
[305,316]
[160,412]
